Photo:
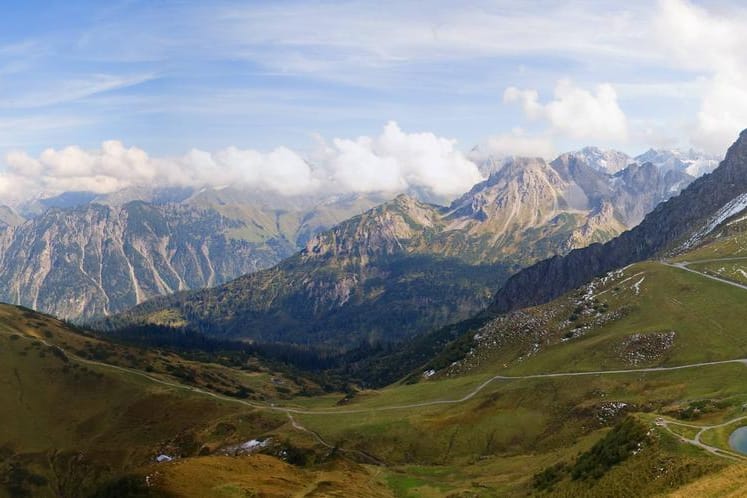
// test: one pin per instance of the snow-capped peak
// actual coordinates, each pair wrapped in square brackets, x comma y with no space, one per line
[692,162]
[606,160]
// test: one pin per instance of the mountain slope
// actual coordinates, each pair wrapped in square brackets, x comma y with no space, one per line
[671,223]
[98,259]
[363,280]
[406,267]
[103,257]
[70,426]
[9,218]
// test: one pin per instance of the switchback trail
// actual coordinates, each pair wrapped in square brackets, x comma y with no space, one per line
[696,441]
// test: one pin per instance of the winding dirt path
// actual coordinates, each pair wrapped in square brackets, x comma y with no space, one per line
[290,411]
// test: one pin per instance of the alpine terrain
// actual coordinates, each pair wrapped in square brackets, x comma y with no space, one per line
[406,267]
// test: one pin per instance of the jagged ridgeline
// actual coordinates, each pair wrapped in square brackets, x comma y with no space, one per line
[665,229]
[407,266]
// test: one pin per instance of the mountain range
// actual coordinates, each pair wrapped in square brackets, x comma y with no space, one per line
[101,256]
[628,383]
[670,225]
[80,255]
[406,267]
[693,162]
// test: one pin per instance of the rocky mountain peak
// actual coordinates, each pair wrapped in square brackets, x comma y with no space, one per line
[605,160]
[662,230]
[383,230]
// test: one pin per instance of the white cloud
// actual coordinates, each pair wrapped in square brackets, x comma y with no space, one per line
[44,93]
[396,161]
[358,42]
[393,161]
[575,112]
[710,43]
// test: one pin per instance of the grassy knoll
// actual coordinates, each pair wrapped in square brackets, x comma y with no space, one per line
[266,476]
[727,483]
[253,381]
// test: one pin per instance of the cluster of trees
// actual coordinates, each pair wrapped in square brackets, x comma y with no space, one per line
[332,369]
[620,443]
[370,364]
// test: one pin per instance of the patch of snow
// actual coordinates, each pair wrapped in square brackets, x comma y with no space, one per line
[245,448]
[692,162]
[730,209]
[253,444]
[734,206]
[637,285]
[429,373]
[164,458]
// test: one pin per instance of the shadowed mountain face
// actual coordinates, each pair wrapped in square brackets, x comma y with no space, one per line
[670,224]
[406,266]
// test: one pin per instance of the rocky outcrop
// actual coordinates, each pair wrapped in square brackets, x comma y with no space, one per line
[670,224]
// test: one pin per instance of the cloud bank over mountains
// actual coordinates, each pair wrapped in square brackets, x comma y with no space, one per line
[393,161]
[517,78]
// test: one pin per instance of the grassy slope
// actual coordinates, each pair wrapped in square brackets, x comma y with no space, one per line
[266,476]
[490,445]
[69,426]
[545,418]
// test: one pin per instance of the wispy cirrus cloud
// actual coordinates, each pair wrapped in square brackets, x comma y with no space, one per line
[48,93]
[261,75]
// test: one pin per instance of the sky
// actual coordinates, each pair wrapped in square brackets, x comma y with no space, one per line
[308,96]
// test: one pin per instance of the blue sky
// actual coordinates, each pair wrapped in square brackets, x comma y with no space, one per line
[533,78]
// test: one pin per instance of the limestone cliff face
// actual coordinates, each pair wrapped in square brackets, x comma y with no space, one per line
[600,226]
[99,259]
[86,258]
